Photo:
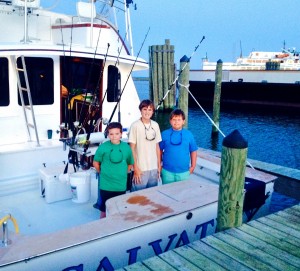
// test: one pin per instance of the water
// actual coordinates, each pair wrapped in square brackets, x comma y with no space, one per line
[272,137]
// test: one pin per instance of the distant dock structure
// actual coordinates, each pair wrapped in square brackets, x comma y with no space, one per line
[262,89]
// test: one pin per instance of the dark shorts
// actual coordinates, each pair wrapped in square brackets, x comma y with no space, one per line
[105,195]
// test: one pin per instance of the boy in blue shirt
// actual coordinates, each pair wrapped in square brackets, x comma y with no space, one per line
[178,150]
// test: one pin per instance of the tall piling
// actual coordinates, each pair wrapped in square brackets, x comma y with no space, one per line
[232,180]
[162,75]
[217,98]
[183,81]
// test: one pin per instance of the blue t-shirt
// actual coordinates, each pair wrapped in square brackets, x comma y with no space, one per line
[176,147]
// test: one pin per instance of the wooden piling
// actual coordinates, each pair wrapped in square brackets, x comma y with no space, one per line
[162,74]
[232,179]
[217,97]
[183,80]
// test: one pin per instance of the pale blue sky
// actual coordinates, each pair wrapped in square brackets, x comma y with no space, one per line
[258,24]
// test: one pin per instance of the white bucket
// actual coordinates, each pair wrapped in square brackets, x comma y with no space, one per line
[80,186]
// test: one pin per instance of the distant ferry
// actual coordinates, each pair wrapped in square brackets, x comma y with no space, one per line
[284,60]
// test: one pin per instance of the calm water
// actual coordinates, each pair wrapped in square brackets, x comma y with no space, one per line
[273,137]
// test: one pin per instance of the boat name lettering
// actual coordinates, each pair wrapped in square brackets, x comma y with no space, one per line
[183,239]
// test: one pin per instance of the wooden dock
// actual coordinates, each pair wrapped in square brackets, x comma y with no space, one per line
[268,243]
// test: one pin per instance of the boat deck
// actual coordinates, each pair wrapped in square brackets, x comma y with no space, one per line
[268,243]
[33,213]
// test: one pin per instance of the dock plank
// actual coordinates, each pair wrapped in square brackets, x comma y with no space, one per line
[269,246]
[282,227]
[275,232]
[156,263]
[135,267]
[198,259]
[270,239]
[179,263]
[293,211]
[290,216]
[253,251]
[218,257]
[285,220]
[236,254]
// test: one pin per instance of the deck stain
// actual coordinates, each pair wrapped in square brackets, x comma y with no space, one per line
[141,200]
[158,208]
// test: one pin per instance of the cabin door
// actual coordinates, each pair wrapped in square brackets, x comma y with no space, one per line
[81,88]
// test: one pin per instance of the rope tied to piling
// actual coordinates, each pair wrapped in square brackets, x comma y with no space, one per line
[205,113]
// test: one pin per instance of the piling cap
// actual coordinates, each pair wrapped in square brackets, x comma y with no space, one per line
[219,61]
[235,141]
[184,59]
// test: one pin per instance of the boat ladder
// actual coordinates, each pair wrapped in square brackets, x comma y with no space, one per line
[23,87]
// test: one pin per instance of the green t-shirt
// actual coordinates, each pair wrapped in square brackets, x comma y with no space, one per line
[114,160]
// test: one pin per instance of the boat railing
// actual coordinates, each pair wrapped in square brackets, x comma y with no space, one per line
[3,221]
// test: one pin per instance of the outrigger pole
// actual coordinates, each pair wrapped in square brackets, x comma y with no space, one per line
[171,86]
[119,99]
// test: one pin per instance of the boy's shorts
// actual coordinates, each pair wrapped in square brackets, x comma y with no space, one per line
[105,195]
[171,177]
[149,178]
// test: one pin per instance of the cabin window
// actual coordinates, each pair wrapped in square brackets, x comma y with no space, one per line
[40,78]
[113,84]
[4,84]
[81,75]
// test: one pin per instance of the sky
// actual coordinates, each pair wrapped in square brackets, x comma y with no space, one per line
[230,27]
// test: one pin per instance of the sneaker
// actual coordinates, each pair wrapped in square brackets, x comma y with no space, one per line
[96,206]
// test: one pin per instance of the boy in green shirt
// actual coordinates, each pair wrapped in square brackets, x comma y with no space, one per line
[112,160]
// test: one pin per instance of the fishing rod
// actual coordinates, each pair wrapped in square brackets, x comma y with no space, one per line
[117,62]
[119,98]
[90,73]
[98,82]
[86,145]
[171,86]
[71,155]
[87,142]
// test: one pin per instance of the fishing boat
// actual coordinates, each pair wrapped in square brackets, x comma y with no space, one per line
[63,78]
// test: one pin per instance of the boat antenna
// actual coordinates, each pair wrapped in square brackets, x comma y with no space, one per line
[241,51]
[119,98]
[171,86]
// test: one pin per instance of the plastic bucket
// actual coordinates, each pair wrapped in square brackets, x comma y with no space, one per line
[80,186]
